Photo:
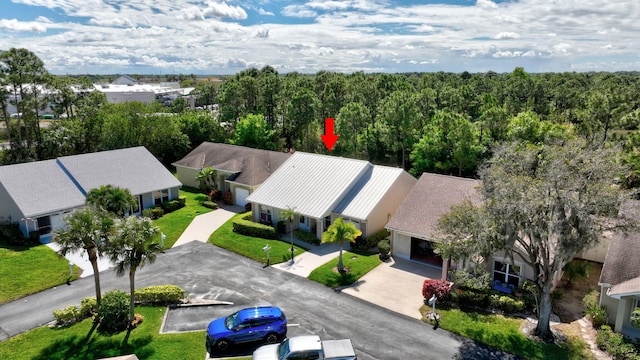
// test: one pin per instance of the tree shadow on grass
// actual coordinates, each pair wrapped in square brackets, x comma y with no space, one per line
[77,348]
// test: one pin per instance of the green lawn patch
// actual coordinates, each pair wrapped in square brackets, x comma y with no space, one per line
[173,224]
[69,343]
[357,264]
[26,270]
[504,333]
[251,247]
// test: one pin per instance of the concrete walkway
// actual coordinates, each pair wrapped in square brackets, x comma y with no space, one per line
[203,225]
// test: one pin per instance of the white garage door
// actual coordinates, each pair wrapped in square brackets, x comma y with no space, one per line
[241,196]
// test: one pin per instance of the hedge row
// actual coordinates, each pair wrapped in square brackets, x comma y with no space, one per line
[245,226]
[307,237]
[487,299]
[161,294]
[371,241]
[616,345]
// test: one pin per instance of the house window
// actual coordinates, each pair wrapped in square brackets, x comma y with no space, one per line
[302,219]
[44,225]
[506,273]
[265,215]
[327,222]
[160,196]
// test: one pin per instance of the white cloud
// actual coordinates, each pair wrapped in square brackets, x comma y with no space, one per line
[43,19]
[224,10]
[262,11]
[506,35]
[121,22]
[423,28]
[298,11]
[262,33]
[15,25]
[486,4]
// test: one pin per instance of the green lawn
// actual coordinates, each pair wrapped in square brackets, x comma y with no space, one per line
[504,333]
[69,343]
[27,270]
[174,224]
[358,264]
[251,247]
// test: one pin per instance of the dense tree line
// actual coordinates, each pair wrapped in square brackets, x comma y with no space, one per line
[437,122]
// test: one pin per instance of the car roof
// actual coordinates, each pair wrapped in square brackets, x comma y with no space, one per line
[259,312]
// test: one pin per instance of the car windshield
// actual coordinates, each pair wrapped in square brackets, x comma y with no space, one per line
[231,321]
[284,349]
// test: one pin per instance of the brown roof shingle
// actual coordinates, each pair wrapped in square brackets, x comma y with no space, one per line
[621,267]
[431,197]
[252,166]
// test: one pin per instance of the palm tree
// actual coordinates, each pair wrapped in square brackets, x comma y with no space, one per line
[206,177]
[113,199]
[87,229]
[133,245]
[289,214]
[340,231]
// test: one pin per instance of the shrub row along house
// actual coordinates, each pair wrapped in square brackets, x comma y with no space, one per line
[37,195]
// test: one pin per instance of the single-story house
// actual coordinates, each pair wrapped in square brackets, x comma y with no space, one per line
[414,226]
[240,170]
[620,282]
[322,188]
[37,195]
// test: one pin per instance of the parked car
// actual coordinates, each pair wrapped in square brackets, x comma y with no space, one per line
[308,347]
[266,324]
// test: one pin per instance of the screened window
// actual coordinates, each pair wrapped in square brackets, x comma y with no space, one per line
[160,196]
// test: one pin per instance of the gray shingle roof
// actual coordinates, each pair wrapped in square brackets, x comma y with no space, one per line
[312,184]
[621,267]
[431,197]
[133,168]
[40,187]
[253,166]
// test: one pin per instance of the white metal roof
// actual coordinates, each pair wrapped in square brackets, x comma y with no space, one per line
[368,192]
[312,184]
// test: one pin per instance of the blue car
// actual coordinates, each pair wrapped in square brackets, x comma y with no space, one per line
[264,324]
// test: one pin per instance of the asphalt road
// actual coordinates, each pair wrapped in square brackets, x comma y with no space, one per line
[208,272]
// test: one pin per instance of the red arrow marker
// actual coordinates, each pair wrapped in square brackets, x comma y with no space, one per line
[329,138]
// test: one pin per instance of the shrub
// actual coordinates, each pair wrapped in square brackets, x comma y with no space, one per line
[88,307]
[67,316]
[635,317]
[209,204]
[12,234]
[384,246]
[506,304]
[576,269]
[113,313]
[202,198]
[472,278]
[172,205]
[439,288]
[370,241]
[161,294]
[592,308]
[282,227]
[471,298]
[250,228]
[307,237]
[616,345]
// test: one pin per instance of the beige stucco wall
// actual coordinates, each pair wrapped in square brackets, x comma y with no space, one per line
[597,253]
[387,206]
[187,176]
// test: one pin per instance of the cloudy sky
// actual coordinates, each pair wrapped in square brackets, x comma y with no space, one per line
[226,36]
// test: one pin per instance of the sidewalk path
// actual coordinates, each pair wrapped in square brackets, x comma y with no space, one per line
[203,225]
[309,260]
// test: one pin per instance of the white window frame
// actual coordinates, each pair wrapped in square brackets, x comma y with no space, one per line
[507,273]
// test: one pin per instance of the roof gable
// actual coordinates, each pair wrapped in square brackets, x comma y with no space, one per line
[363,197]
[40,187]
[621,268]
[312,184]
[133,168]
[431,197]
[252,166]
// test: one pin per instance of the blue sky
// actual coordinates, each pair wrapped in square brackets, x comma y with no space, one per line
[224,37]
